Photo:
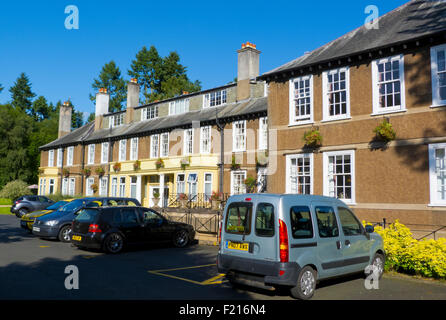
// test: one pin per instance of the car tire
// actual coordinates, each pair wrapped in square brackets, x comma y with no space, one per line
[181,238]
[64,234]
[306,284]
[113,243]
[22,212]
[378,262]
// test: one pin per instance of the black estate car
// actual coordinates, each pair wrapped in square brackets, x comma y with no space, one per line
[25,204]
[112,228]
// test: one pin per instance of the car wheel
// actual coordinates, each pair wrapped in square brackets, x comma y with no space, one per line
[22,212]
[306,284]
[378,264]
[113,243]
[64,234]
[181,238]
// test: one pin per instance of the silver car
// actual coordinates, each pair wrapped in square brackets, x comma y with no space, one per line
[293,241]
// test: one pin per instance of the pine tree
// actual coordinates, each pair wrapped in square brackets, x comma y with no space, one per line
[111,79]
[21,93]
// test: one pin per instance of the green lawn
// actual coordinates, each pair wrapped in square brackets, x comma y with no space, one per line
[5,210]
[4,201]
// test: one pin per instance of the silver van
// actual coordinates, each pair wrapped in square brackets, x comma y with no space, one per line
[293,241]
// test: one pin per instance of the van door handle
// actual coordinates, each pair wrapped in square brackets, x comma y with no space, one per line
[338,244]
[347,242]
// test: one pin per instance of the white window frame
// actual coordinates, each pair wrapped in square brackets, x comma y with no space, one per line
[105,149]
[237,172]
[114,186]
[182,183]
[121,188]
[164,145]
[289,172]
[178,106]
[212,96]
[70,156]
[88,184]
[235,134]
[207,183]
[133,186]
[377,110]
[325,99]
[326,181]
[123,150]
[116,120]
[59,157]
[190,183]
[298,120]
[434,201]
[51,184]
[263,133]
[436,101]
[103,183]
[154,146]
[50,158]
[149,113]
[68,186]
[205,141]
[134,148]
[188,146]
[91,150]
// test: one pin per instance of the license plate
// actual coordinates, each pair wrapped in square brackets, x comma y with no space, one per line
[36,229]
[76,238]
[237,246]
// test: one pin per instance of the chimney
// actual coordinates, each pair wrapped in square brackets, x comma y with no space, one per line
[102,100]
[65,119]
[132,99]
[248,68]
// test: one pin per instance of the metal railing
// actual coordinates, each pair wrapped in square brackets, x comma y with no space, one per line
[193,201]
[428,229]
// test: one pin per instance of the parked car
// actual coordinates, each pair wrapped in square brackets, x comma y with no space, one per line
[112,228]
[57,225]
[26,204]
[27,220]
[293,241]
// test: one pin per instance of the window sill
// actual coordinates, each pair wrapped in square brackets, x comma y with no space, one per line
[336,119]
[380,113]
[300,123]
[438,105]
[436,205]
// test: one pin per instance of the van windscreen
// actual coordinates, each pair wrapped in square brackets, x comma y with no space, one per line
[238,219]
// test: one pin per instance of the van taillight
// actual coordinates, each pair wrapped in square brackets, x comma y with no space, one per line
[283,246]
[94,228]
[219,232]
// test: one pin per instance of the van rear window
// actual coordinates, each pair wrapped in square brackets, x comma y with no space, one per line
[238,219]
[301,225]
[265,220]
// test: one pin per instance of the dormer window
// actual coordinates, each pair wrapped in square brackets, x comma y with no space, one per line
[149,113]
[178,106]
[214,99]
[116,120]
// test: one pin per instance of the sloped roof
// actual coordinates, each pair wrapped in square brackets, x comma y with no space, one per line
[413,20]
[87,134]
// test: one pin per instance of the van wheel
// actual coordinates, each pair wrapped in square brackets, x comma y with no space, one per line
[64,234]
[378,263]
[306,284]
[113,243]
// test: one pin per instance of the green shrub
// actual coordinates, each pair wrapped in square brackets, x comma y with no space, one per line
[14,189]
[5,201]
[58,196]
[405,254]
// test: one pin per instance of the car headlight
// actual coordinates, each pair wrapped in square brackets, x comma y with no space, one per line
[51,223]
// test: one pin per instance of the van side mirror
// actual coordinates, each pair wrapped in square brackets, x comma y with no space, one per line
[369,228]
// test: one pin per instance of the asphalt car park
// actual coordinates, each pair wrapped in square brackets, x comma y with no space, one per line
[33,268]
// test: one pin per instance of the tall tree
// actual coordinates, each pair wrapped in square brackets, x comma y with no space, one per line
[111,79]
[160,78]
[147,69]
[40,110]
[21,93]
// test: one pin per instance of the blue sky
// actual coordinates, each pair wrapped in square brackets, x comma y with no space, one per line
[62,63]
